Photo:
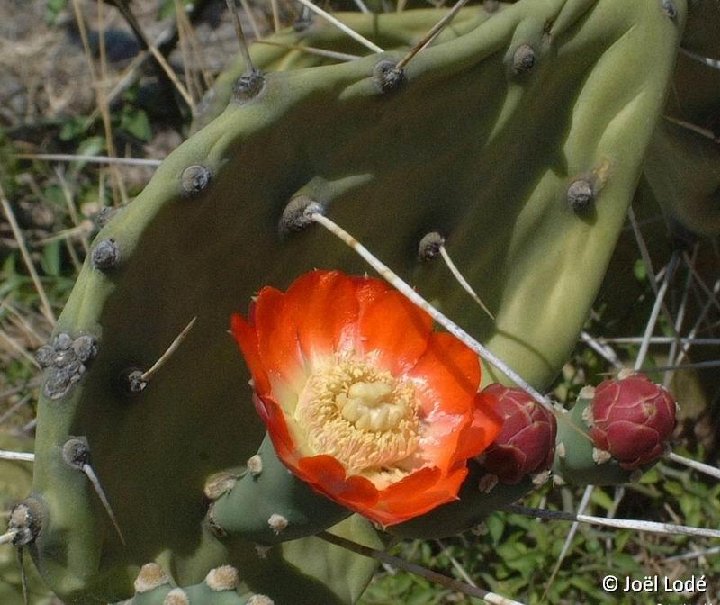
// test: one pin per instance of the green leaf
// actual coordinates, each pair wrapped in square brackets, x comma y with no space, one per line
[50,260]
[621,539]
[652,476]
[587,586]
[639,270]
[136,123]
[73,128]
[91,146]
[602,499]
[53,9]
[496,526]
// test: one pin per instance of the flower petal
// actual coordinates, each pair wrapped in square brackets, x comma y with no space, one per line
[278,339]
[274,418]
[446,378]
[325,308]
[393,331]
[328,476]
[486,426]
[448,373]
[418,494]
[246,337]
[368,290]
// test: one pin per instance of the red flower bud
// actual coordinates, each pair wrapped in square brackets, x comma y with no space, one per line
[526,443]
[632,418]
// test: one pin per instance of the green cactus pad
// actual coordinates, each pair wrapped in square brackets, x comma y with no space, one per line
[220,587]
[284,51]
[269,505]
[490,156]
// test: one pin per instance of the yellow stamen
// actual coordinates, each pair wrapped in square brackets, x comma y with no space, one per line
[362,416]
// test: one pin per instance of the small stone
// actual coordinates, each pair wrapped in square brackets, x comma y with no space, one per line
[277,523]
[429,246]
[387,76]
[106,255]
[195,178]
[560,450]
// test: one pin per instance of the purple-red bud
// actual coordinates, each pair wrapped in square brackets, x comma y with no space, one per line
[633,419]
[526,443]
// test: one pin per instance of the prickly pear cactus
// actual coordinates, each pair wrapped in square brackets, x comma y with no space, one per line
[220,587]
[519,137]
[285,51]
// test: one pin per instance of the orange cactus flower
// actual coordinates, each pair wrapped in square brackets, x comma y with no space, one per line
[361,398]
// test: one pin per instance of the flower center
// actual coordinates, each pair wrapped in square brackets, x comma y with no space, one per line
[362,416]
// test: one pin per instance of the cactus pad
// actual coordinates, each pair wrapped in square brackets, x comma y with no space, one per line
[520,139]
